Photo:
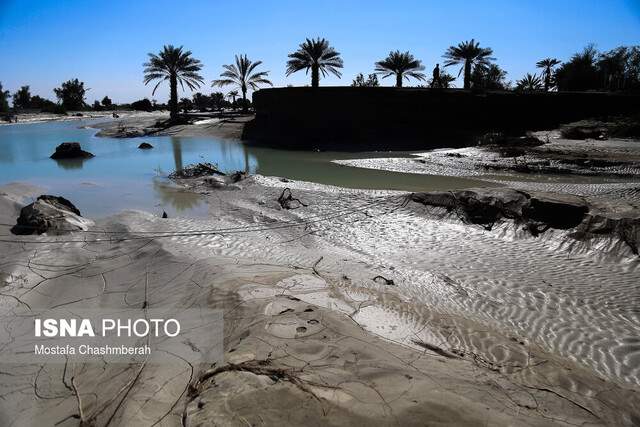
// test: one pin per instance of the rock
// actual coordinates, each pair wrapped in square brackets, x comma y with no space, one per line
[70,150]
[49,214]
[164,215]
[145,146]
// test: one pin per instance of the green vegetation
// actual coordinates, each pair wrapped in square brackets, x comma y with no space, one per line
[71,95]
[243,74]
[318,56]
[22,98]
[547,66]
[490,77]
[588,70]
[4,100]
[401,64]
[529,83]
[176,66]
[469,54]
[370,81]
[142,105]
[107,103]
[444,82]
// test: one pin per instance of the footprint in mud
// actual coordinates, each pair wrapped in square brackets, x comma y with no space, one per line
[290,318]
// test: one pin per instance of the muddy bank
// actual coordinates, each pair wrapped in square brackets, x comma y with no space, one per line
[467,327]
[227,126]
[541,153]
[536,212]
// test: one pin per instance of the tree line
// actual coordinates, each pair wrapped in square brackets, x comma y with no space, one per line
[614,70]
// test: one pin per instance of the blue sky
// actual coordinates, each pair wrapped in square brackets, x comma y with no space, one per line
[104,43]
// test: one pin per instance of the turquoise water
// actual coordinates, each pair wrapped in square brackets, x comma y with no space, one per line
[121,176]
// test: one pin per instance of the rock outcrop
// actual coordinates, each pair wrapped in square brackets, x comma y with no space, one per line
[49,214]
[70,150]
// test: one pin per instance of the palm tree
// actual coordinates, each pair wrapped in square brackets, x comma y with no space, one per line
[176,66]
[530,82]
[547,65]
[400,64]
[318,56]
[469,54]
[242,74]
[446,80]
[233,94]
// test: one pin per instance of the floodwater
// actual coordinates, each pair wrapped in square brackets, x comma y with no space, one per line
[121,176]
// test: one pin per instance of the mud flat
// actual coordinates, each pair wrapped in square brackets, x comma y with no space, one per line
[340,307]
[548,153]
[227,126]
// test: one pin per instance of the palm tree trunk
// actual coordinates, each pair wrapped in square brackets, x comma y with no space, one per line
[467,74]
[244,100]
[398,79]
[315,75]
[547,80]
[173,98]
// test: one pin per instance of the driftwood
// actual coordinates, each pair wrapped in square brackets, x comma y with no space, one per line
[287,201]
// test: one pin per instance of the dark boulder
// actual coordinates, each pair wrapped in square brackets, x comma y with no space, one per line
[49,214]
[145,146]
[70,150]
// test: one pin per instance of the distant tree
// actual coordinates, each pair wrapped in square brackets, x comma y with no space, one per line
[71,94]
[233,94]
[529,83]
[490,77]
[318,56]
[242,75]
[619,68]
[107,103]
[445,82]
[4,99]
[200,101]
[217,100]
[176,66]
[22,98]
[185,104]
[142,105]
[468,54]
[46,105]
[402,65]
[580,72]
[547,65]
[96,105]
[370,81]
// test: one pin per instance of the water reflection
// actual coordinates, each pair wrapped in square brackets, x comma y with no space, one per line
[176,145]
[70,163]
[176,197]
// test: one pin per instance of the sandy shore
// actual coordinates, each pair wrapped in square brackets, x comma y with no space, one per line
[552,155]
[359,308]
[30,118]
